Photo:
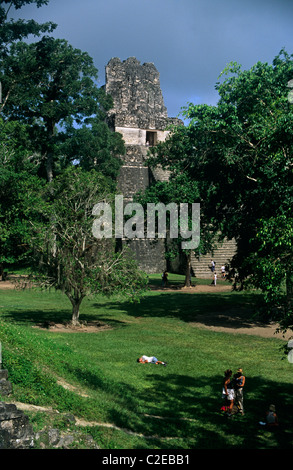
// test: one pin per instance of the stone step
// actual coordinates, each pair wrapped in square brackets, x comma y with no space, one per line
[221,255]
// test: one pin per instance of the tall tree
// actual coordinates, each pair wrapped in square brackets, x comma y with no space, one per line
[93,146]
[19,195]
[52,88]
[240,152]
[12,30]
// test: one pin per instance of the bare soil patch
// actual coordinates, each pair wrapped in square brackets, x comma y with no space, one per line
[233,322]
[194,289]
[5,285]
[89,327]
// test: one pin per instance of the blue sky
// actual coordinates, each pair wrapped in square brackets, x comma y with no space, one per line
[189,41]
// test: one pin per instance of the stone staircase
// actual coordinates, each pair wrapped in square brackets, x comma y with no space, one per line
[222,254]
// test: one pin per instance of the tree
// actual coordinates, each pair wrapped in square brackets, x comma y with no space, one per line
[16,30]
[240,152]
[51,88]
[12,31]
[179,190]
[19,195]
[273,266]
[94,146]
[68,256]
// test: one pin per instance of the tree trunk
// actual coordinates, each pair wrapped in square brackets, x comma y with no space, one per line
[187,282]
[49,167]
[289,289]
[75,302]
[75,314]
[49,151]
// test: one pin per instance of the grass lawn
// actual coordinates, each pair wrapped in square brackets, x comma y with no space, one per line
[149,406]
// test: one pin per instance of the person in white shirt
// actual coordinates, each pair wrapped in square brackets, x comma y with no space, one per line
[150,359]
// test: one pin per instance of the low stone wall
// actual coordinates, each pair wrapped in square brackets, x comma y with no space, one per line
[15,430]
[5,385]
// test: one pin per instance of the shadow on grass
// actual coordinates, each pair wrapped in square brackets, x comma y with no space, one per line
[37,316]
[167,397]
[180,407]
[231,310]
[44,318]
[227,309]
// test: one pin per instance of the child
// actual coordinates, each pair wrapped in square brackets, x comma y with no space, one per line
[223,272]
[271,418]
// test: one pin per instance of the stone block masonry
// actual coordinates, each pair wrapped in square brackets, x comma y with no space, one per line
[5,385]
[140,115]
[15,430]
[138,99]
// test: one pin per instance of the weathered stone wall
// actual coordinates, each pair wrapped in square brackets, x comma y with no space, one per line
[140,115]
[149,253]
[5,385]
[135,89]
[15,430]
[134,175]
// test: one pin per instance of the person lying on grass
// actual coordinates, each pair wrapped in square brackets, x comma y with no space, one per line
[150,359]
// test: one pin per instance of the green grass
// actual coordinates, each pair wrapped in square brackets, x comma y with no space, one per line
[173,407]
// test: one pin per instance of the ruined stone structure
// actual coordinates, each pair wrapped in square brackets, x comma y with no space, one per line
[5,384]
[140,115]
[16,432]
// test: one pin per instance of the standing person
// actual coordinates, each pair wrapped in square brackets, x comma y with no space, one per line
[228,392]
[164,278]
[213,264]
[215,279]
[223,272]
[239,379]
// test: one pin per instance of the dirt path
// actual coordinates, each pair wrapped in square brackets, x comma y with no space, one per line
[84,423]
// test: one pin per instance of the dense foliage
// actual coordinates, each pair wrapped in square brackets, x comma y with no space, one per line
[58,159]
[240,154]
